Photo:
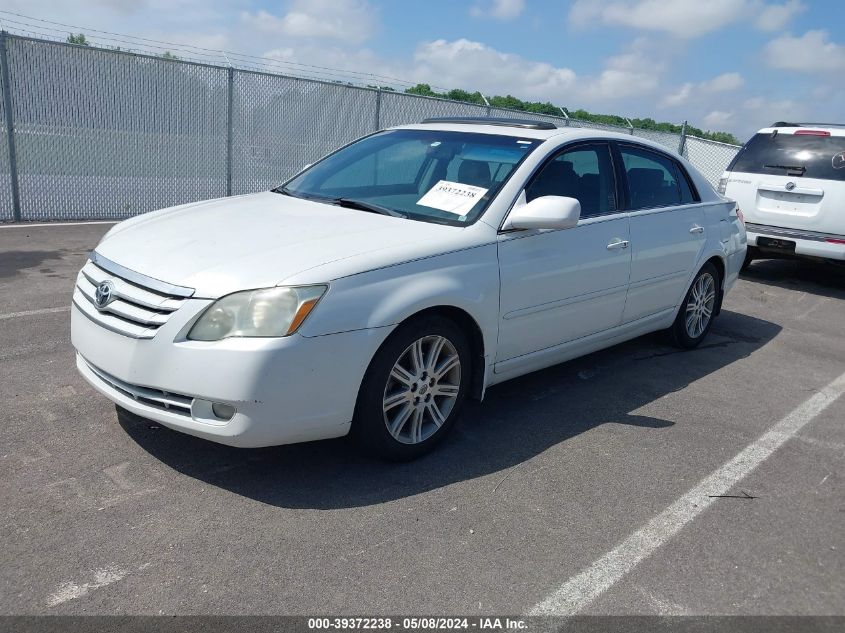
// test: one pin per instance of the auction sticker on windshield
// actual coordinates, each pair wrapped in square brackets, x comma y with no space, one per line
[452,197]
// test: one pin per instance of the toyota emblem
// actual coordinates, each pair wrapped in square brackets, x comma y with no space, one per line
[104,294]
[790,186]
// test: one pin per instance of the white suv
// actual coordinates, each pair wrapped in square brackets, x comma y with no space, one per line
[376,290]
[789,182]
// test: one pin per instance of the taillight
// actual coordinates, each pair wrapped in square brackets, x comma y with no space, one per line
[812,133]
[740,216]
[833,240]
[723,185]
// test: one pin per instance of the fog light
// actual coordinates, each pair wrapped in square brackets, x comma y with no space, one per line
[223,411]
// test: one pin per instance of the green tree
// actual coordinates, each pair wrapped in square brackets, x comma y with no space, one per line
[509,102]
[78,39]
[168,55]
[423,90]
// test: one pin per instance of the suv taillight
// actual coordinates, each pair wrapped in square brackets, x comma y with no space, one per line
[723,185]
[740,216]
[812,133]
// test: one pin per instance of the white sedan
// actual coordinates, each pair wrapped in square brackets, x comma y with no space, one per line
[409,270]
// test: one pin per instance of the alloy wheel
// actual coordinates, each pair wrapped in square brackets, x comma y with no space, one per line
[422,389]
[699,310]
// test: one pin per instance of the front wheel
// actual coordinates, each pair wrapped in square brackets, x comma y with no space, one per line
[413,389]
[697,311]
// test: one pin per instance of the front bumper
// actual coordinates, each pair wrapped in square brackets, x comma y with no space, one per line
[285,390]
[807,243]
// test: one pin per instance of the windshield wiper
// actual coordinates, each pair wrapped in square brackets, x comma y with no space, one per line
[285,192]
[361,205]
[800,168]
[296,194]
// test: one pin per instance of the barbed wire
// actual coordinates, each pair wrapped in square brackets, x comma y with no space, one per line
[28,25]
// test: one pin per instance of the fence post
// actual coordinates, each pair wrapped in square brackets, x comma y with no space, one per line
[230,120]
[487,103]
[683,144]
[378,108]
[10,129]
[565,115]
[630,126]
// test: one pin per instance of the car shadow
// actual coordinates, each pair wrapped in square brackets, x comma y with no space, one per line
[818,278]
[518,420]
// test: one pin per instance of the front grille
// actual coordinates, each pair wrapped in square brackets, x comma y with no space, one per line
[155,398]
[137,310]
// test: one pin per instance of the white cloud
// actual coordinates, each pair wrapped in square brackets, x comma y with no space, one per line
[717,119]
[344,20]
[812,52]
[761,112]
[684,19]
[499,9]
[679,97]
[776,16]
[725,82]
[468,64]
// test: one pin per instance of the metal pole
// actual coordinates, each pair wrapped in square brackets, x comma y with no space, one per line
[229,129]
[683,144]
[565,115]
[630,126]
[10,129]
[487,103]
[378,109]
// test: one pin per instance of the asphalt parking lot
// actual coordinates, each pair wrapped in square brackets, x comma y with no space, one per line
[554,470]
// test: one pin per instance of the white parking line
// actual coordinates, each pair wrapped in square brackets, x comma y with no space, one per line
[580,590]
[25,313]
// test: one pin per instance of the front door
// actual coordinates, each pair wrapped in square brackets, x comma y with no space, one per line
[561,285]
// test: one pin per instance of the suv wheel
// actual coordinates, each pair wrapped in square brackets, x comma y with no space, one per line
[750,255]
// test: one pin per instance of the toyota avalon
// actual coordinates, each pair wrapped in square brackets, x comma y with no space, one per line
[379,288]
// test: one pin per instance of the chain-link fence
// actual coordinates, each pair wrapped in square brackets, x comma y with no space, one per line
[102,134]
[709,157]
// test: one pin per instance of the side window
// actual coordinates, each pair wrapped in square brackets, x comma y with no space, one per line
[652,180]
[584,172]
[688,193]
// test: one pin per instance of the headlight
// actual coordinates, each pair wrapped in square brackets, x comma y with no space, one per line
[257,313]
[723,185]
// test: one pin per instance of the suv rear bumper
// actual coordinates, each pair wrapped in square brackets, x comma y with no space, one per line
[807,243]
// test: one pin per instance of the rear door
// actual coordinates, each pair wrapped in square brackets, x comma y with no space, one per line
[792,178]
[667,230]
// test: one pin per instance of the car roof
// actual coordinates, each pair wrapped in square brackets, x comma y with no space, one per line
[783,127]
[571,133]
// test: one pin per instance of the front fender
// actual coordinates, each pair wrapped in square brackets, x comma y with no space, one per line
[466,279]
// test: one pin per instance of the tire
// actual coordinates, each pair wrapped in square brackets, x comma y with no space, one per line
[690,327]
[419,404]
[750,255]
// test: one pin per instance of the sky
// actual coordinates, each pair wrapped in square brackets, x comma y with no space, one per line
[727,65]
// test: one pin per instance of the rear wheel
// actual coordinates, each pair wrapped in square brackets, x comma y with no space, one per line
[414,389]
[698,309]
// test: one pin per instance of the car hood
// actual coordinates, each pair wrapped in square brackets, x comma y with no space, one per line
[261,240]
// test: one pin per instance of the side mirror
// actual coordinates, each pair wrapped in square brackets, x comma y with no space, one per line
[546,212]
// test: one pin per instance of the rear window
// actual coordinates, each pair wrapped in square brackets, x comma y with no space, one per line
[798,155]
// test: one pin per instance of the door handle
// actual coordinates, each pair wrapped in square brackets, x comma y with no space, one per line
[696,229]
[617,244]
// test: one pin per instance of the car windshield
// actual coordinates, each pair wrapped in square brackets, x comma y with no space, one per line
[428,175]
[797,155]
